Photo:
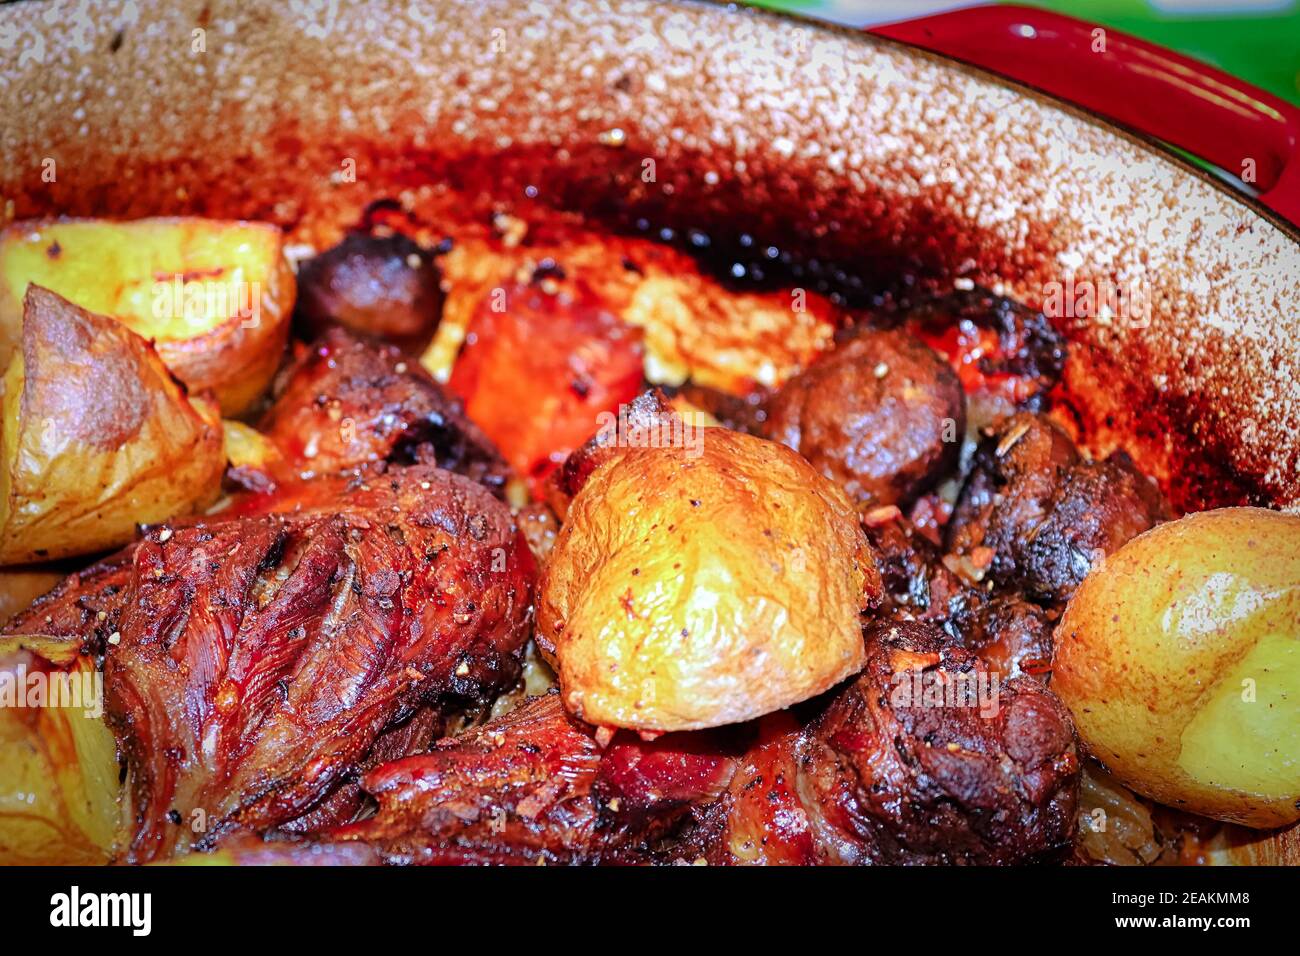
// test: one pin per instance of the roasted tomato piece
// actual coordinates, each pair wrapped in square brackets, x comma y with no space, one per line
[1000,349]
[539,367]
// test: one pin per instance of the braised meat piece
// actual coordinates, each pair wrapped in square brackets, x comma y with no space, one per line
[927,758]
[1035,516]
[1009,634]
[535,786]
[85,607]
[350,401]
[882,415]
[375,285]
[761,819]
[918,586]
[413,735]
[257,657]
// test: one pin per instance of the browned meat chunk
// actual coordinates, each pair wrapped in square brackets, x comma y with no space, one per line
[536,786]
[348,799]
[256,659]
[918,586]
[1011,635]
[85,607]
[926,759]
[1035,516]
[881,414]
[376,285]
[351,401]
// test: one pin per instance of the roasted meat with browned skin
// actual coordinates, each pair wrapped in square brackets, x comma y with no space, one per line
[350,401]
[374,285]
[925,759]
[1035,515]
[922,759]
[535,786]
[257,658]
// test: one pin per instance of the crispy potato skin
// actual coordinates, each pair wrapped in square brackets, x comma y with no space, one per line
[97,437]
[694,590]
[1166,633]
[221,325]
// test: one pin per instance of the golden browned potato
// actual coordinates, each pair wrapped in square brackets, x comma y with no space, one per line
[97,437]
[59,787]
[1180,660]
[703,584]
[214,296]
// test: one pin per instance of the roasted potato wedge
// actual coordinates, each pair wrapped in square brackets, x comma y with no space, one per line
[214,296]
[700,584]
[1180,659]
[96,437]
[59,790]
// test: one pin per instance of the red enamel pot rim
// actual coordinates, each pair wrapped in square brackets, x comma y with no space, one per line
[1152,92]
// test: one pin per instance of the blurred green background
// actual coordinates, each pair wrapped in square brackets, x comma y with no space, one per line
[1258,40]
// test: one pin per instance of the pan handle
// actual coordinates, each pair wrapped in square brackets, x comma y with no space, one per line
[1208,113]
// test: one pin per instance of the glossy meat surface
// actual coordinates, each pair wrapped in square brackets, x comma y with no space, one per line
[881,415]
[373,285]
[351,401]
[256,659]
[536,786]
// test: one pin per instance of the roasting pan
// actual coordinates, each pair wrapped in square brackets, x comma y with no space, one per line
[855,154]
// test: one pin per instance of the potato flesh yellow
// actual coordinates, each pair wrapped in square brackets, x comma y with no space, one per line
[688,591]
[1180,660]
[59,787]
[97,437]
[1248,733]
[214,296]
